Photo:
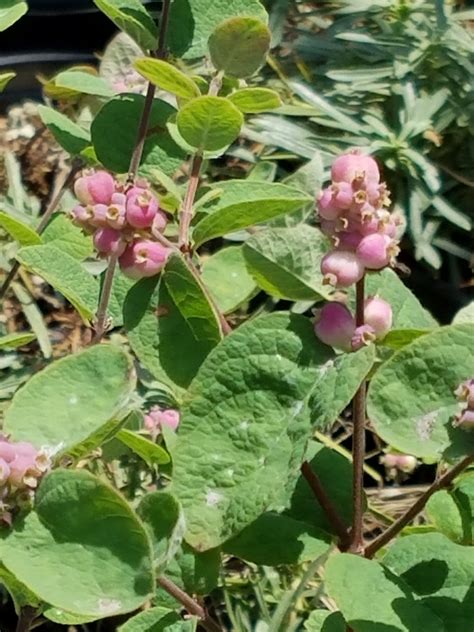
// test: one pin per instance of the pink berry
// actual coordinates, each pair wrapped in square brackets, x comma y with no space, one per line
[404,462]
[143,258]
[7,451]
[374,251]
[355,166]
[116,216]
[142,207]
[19,468]
[341,268]
[109,241]
[98,214]
[328,227]
[343,194]
[157,418]
[465,420]
[348,240]
[95,188]
[159,222]
[81,215]
[378,314]
[465,392]
[4,471]
[363,336]
[328,208]
[335,325]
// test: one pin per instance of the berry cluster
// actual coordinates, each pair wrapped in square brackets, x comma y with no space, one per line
[21,466]
[352,212]
[156,418]
[465,394]
[126,221]
[396,463]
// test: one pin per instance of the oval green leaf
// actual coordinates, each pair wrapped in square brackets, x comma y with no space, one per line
[150,452]
[255,100]
[131,17]
[167,77]
[21,232]
[5,78]
[239,46]
[92,554]
[209,123]
[12,341]
[69,135]
[10,12]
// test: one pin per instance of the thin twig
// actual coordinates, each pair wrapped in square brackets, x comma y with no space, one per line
[160,53]
[326,503]
[358,444]
[50,209]
[100,324]
[25,619]
[191,606]
[417,506]
[186,213]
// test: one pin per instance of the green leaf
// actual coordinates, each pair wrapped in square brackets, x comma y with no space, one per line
[398,338]
[441,575]
[255,100]
[162,336]
[84,83]
[335,473]
[167,77]
[243,203]
[131,17]
[71,399]
[10,12]
[19,231]
[5,78]
[411,401]
[408,312]
[239,46]
[92,555]
[61,233]
[114,150]
[12,341]
[186,291]
[337,383]
[286,262]
[452,512]
[209,123]
[244,426]
[65,618]
[69,135]
[275,539]
[65,274]
[325,621]
[158,620]
[465,314]
[226,277]
[192,22]
[150,452]
[19,593]
[193,571]
[374,600]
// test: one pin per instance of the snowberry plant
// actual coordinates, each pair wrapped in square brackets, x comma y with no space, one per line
[230,324]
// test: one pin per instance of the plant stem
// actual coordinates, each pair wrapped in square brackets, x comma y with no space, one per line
[160,53]
[192,606]
[25,619]
[417,506]
[358,443]
[326,503]
[101,318]
[186,214]
[52,206]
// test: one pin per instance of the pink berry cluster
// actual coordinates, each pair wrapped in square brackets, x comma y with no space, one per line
[465,394]
[396,463]
[352,211]
[125,221]
[335,325]
[157,417]
[21,467]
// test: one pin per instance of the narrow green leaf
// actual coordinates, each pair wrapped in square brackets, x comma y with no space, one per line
[92,555]
[84,82]
[150,452]
[69,135]
[115,150]
[244,203]
[167,77]
[209,123]
[5,78]
[131,17]
[255,100]
[34,317]
[10,12]
[286,262]
[239,46]
[19,231]
[411,401]
[70,400]
[12,341]
[65,274]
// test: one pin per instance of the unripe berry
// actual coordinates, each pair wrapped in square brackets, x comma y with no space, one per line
[95,188]
[98,214]
[465,392]
[465,420]
[375,251]
[378,314]
[143,258]
[157,418]
[363,336]
[341,268]
[159,222]
[328,208]
[334,325]
[116,216]
[81,216]
[403,462]
[142,207]
[355,166]
[109,241]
